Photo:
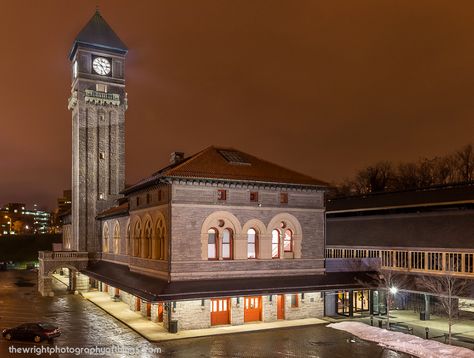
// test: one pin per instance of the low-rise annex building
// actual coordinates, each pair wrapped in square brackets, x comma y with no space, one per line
[420,232]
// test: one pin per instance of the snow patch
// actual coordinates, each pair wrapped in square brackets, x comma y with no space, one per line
[402,342]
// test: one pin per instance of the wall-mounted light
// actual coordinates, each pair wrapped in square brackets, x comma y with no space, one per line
[302,297]
[238,302]
[174,306]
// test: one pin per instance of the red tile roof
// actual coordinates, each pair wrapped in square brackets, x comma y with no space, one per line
[114,211]
[229,164]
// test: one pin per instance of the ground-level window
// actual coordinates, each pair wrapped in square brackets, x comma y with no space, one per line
[275,244]
[212,244]
[251,244]
[227,244]
[294,300]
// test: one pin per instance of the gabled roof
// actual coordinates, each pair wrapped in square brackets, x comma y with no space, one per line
[228,164]
[119,210]
[98,34]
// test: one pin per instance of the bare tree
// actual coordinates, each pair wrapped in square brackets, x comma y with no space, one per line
[447,289]
[388,281]
[375,178]
[444,170]
[407,176]
[383,176]
[465,163]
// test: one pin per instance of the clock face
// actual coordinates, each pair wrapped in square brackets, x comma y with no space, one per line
[101,66]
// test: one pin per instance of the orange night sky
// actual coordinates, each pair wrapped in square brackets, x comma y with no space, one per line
[321,87]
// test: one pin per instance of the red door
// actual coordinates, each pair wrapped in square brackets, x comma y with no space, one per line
[137,305]
[160,312]
[117,292]
[148,309]
[220,309]
[252,309]
[280,307]
[106,288]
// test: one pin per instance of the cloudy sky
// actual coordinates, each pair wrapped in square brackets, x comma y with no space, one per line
[321,87]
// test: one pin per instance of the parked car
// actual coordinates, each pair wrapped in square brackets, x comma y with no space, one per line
[36,332]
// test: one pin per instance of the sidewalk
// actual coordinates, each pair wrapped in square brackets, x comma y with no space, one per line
[155,332]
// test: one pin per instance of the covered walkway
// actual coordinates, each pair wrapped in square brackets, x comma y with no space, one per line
[155,332]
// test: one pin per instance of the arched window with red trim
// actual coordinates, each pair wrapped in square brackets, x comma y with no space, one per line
[227,244]
[275,244]
[288,241]
[212,244]
[252,244]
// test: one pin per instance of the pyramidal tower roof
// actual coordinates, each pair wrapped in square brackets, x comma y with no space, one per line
[98,34]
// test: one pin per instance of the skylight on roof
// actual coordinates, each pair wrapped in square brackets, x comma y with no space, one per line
[234,157]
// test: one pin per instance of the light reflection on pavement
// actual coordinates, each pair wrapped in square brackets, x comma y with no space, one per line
[85,325]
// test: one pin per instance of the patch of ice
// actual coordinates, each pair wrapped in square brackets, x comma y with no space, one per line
[403,342]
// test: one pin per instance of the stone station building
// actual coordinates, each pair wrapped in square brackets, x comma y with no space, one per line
[220,237]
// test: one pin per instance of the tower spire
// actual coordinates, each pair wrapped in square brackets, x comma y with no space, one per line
[98,34]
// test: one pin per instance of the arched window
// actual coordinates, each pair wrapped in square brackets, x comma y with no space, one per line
[137,234]
[147,240]
[116,239]
[159,249]
[105,240]
[212,244]
[252,244]
[129,242]
[275,244]
[288,241]
[227,244]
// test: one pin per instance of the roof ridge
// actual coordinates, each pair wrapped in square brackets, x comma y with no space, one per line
[190,158]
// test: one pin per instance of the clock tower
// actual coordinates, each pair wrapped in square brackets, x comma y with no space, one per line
[98,103]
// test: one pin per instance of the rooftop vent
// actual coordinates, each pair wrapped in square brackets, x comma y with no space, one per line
[176,157]
[234,157]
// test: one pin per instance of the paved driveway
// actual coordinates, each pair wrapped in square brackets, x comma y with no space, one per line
[85,325]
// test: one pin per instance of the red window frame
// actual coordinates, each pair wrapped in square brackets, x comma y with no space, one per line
[255,244]
[221,194]
[254,196]
[278,243]
[216,252]
[231,239]
[283,198]
[294,301]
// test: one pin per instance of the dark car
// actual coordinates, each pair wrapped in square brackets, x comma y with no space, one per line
[36,332]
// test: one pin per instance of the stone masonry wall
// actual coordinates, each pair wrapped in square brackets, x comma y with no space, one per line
[192,314]
[311,307]
[189,236]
